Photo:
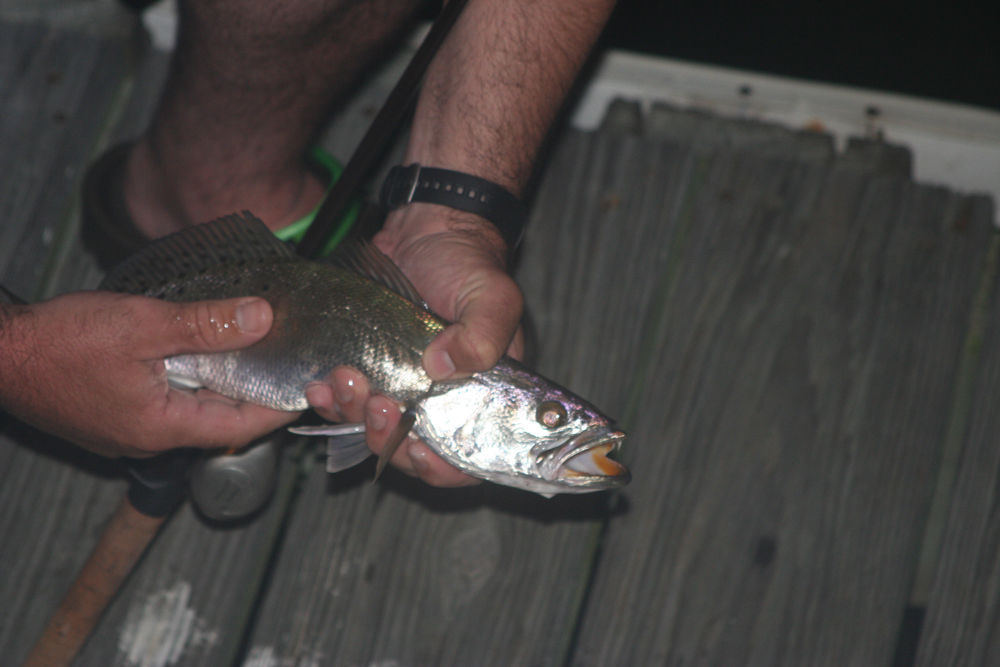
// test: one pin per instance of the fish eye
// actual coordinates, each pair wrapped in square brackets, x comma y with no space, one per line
[551,414]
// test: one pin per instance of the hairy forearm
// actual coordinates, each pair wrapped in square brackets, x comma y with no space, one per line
[498,82]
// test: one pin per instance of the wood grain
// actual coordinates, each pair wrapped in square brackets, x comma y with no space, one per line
[962,626]
[54,91]
[793,423]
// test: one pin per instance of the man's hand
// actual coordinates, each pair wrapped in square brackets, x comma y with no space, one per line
[89,368]
[459,269]
[457,262]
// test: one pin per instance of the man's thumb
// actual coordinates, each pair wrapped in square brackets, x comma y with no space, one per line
[214,326]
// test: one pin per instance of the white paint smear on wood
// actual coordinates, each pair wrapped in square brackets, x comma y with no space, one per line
[159,628]
[264,656]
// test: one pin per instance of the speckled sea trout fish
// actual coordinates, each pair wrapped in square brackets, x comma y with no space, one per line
[507,425]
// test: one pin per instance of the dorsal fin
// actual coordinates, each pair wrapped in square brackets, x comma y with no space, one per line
[361,256]
[229,240]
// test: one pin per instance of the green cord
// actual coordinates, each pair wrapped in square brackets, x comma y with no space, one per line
[295,231]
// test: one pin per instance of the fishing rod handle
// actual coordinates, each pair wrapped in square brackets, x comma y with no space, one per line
[121,545]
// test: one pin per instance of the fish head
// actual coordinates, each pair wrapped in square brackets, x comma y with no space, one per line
[514,427]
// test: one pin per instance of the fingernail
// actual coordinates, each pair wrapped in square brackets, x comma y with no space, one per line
[251,315]
[317,394]
[377,419]
[439,365]
[345,390]
[419,459]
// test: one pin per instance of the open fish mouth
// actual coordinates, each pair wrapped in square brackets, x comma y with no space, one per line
[583,460]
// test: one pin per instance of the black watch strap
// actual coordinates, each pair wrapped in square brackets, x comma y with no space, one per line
[456,190]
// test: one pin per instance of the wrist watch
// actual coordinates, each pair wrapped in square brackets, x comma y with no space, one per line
[459,191]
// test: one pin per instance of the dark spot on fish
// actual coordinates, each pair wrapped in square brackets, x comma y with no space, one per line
[763,554]
[369,572]
[265,287]
[180,291]
[59,117]
[236,281]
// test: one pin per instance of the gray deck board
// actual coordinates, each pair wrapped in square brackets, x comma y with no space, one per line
[56,87]
[52,115]
[705,130]
[962,626]
[14,56]
[794,426]
[193,592]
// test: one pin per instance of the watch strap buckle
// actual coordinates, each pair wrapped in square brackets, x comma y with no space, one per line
[399,186]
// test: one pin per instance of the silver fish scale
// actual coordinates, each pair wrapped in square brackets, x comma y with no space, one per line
[324,317]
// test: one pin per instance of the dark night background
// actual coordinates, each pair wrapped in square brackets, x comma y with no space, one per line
[943,50]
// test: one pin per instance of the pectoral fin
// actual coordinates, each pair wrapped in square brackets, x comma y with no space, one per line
[346,451]
[328,429]
[406,422]
[346,446]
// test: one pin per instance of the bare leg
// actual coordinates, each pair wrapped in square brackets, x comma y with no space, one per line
[250,83]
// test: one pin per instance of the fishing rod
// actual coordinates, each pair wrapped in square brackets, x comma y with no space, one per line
[376,140]
[159,484]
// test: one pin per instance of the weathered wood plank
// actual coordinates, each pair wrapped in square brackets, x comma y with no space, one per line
[962,626]
[128,117]
[704,130]
[54,496]
[55,500]
[51,120]
[791,428]
[193,592]
[16,49]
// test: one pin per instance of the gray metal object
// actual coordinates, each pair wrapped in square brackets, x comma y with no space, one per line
[233,486]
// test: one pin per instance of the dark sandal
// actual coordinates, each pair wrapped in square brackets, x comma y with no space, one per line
[108,232]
